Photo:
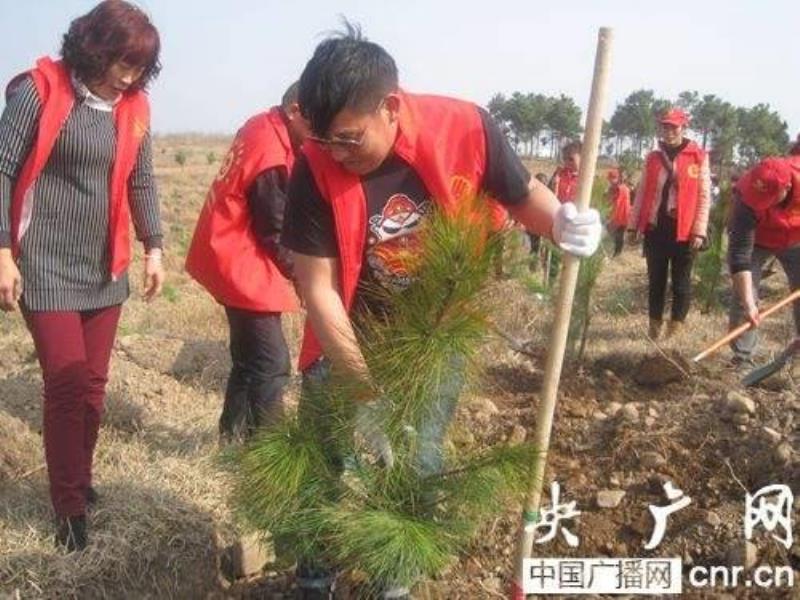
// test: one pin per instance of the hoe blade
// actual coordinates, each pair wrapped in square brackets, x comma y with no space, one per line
[761,373]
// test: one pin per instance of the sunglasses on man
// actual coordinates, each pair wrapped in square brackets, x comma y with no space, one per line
[347,141]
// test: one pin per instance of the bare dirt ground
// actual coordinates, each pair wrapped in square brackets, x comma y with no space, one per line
[163,520]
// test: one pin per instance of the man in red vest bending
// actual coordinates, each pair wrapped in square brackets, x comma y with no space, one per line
[378,162]
[235,254]
[765,221]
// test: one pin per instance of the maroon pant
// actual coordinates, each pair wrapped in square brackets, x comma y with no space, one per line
[74,349]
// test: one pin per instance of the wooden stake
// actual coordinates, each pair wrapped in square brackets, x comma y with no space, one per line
[566,294]
[548,256]
[733,334]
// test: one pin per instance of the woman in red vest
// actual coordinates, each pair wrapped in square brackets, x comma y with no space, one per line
[765,222]
[671,211]
[618,197]
[236,255]
[75,166]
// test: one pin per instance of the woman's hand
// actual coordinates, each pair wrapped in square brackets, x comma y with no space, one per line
[153,274]
[10,281]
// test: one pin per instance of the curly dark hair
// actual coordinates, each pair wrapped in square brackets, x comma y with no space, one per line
[112,31]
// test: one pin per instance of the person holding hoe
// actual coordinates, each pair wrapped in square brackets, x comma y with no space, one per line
[765,222]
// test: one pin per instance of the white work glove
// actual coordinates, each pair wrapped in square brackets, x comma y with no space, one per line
[577,233]
[368,426]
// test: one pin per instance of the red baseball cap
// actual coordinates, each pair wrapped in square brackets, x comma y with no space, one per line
[675,116]
[761,186]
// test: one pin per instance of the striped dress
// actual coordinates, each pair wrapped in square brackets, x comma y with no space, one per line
[64,254]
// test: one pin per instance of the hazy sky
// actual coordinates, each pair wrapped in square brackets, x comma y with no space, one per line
[225,60]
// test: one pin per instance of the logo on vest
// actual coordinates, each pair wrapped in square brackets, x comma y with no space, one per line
[231,160]
[393,241]
[139,128]
[693,171]
[461,187]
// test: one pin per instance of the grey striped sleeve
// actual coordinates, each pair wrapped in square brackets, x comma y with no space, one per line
[17,131]
[143,197]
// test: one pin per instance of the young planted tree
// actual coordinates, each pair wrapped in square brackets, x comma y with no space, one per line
[711,262]
[309,483]
[588,275]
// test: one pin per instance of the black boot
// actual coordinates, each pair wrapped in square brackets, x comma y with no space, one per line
[72,533]
[92,497]
[314,583]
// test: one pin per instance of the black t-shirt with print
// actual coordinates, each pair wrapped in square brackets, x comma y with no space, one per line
[397,202]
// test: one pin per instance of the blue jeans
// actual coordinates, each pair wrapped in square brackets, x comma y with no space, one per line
[744,346]
[430,436]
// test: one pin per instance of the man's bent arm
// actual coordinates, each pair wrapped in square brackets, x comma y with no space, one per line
[318,279]
[537,211]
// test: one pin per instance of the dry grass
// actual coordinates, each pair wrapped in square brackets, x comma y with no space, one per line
[163,514]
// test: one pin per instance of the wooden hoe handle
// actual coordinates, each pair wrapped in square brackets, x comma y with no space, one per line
[732,335]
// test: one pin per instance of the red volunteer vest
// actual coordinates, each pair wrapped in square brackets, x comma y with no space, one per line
[224,256]
[566,185]
[444,142]
[779,225]
[132,120]
[620,206]
[688,165]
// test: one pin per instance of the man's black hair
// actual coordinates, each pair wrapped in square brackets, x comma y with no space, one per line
[290,95]
[346,71]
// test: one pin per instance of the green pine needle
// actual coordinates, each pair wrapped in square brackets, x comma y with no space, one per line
[305,481]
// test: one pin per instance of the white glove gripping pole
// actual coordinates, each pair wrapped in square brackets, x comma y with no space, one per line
[577,232]
[566,293]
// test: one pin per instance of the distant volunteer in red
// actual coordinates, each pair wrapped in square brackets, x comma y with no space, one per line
[75,171]
[671,212]
[618,198]
[564,182]
[237,256]
[765,222]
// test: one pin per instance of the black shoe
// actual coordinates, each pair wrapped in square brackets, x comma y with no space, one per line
[92,497]
[321,593]
[314,583]
[313,594]
[72,533]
